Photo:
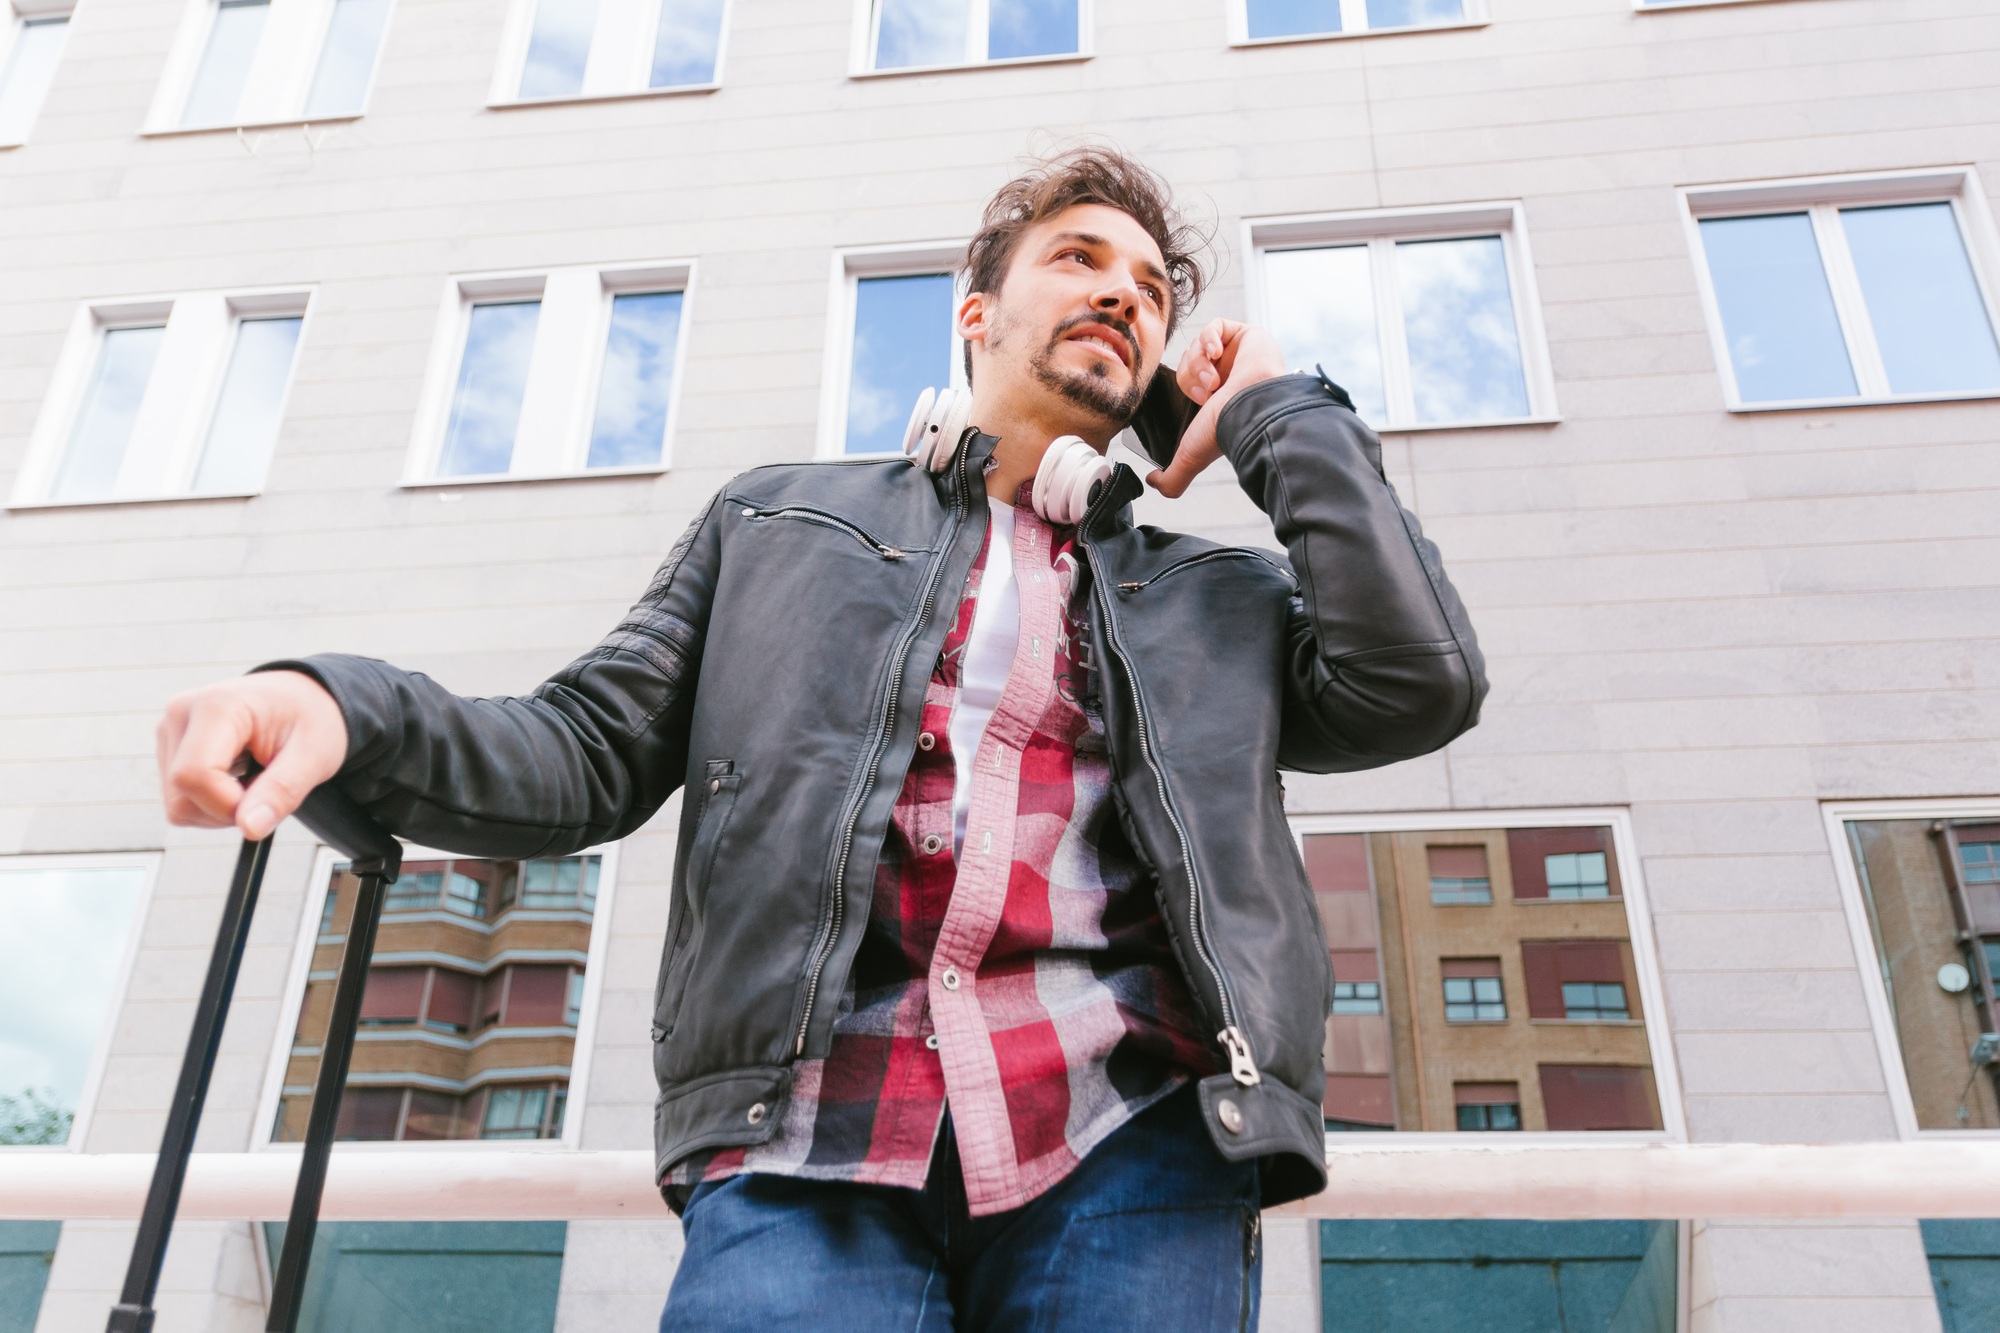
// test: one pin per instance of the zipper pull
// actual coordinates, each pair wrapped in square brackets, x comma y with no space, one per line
[891,553]
[1128,587]
[1241,1067]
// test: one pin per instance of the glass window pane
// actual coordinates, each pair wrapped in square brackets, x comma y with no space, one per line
[1777,312]
[426,1073]
[1292,18]
[1412,13]
[630,429]
[246,414]
[1017,28]
[225,65]
[60,955]
[684,48]
[921,32]
[902,346]
[492,378]
[31,67]
[1458,318]
[1923,301]
[559,48]
[347,60]
[104,426]
[1322,311]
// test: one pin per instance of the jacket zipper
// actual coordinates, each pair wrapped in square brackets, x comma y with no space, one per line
[1201,559]
[895,691]
[826,520]
[1242,1066]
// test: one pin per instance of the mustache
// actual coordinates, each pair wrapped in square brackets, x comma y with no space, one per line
[1117,326]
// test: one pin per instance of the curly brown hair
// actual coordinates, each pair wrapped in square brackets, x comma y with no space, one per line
[1093,174]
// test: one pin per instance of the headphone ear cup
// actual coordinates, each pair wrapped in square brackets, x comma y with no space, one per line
[1069,473]
[937,422]
[914,442]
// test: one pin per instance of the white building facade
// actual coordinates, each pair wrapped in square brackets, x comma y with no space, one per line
[420,328]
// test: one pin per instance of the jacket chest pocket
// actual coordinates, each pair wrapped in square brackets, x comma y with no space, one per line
[718,800]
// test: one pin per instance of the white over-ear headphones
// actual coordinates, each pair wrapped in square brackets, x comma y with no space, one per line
[1070,473]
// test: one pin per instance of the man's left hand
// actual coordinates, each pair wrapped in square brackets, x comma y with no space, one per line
[1224,359]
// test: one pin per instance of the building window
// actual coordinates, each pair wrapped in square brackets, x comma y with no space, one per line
[891,335]
[1436,1033]
[1930,889]
[560,50]
[1459,875]
[1357,997]
[1426,319]
[1472,992]
[30,50]
[64,954]
[1594,1002]
[253,62]
[152,400]
[1576,980]
[1848,292]
[1487,1106]
[929,34]
[1288,20]
[569,373]
[476,992]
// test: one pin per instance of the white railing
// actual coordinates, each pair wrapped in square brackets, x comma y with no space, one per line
[1927,1178]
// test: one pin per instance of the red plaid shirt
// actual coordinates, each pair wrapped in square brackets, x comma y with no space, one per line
[1028,982]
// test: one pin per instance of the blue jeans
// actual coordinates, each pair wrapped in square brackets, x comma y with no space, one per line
[1153,1232]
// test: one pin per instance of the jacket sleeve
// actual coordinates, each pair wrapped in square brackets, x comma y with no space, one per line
[1381,664]
[586,758]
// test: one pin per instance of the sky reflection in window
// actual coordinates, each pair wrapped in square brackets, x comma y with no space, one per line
[60,956]
[492,378]
[1322,306]
[1777,311]
[1458,319]
[1923,301]
[630,428]
[902,346]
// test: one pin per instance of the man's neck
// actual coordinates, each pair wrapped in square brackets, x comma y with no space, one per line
[1025,433]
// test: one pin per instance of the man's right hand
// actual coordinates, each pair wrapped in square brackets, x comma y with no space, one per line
[284,719]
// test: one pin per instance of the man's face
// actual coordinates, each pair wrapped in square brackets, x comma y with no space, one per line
[1081,315]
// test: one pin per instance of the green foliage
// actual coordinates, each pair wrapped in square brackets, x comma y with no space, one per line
[34,1117]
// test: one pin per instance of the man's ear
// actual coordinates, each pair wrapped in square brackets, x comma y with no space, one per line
[971,320]
[1163,416]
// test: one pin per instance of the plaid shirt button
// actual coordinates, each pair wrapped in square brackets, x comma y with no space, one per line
[933,844]
[927,741]
[950,978]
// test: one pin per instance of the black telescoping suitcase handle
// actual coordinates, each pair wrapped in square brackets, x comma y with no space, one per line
[344,826]
[377,858]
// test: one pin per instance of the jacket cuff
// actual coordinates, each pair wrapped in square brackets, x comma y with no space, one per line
[1251,410]
[368,709]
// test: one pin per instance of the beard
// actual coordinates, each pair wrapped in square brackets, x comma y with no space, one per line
[1092,388]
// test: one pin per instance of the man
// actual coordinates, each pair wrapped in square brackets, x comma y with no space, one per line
[993,991]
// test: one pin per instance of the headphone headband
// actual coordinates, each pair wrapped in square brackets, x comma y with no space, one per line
[1069,475]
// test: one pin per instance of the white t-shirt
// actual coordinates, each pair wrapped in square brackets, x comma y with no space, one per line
[989,653]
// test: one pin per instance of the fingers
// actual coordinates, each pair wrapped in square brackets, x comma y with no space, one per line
[286,720]
[199,741]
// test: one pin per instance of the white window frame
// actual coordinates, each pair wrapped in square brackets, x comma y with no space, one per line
[908,260]
[1645,965]
[16,17]
[861,54]
[180,399]
[148,864]
[1380,229]
[564,370]
[1353,23]
[281,71]
[621,55]
[1642,7]
[1822,198]
[1861,931]
[299,973]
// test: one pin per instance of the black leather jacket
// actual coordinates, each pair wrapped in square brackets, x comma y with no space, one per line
[777,664]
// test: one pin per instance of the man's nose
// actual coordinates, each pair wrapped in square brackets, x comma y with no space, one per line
[1122,301]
